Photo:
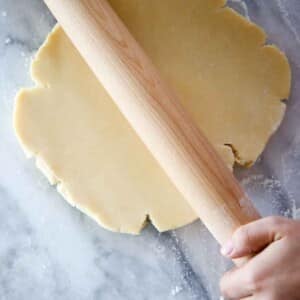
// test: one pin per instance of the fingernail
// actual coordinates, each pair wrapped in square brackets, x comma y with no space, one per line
[227,249]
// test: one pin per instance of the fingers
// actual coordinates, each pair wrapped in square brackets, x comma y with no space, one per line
[253,237]
[235,284]
[271,274]
[268,274]
[247,281]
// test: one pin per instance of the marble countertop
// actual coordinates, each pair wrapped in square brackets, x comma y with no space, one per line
[49,250]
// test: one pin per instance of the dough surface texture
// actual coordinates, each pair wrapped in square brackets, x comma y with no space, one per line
[228,80]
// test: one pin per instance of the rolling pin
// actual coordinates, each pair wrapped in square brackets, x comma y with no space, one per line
[155,113]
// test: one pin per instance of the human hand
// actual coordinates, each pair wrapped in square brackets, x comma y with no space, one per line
[274,272]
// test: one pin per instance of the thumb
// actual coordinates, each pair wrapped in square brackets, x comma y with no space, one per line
[251,238]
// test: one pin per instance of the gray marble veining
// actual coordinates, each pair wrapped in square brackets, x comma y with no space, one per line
[49,250]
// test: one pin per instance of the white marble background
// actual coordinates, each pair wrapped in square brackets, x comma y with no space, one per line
[49,250]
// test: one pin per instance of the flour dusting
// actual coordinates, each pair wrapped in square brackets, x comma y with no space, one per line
[7,41]
[272,193]
[286,17]
[297,214]
[243,6]
[176,290]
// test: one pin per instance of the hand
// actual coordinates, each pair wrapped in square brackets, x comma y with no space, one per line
[274,272]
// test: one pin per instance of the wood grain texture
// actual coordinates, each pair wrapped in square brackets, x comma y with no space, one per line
[154,112]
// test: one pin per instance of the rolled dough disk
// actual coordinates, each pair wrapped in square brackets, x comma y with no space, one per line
[216,61]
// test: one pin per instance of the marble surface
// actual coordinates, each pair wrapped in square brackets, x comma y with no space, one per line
[49,250]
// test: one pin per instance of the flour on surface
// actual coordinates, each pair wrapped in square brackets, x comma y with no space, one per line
[286,17]
[244,8]
[269,193]
[176,290]
[7,41]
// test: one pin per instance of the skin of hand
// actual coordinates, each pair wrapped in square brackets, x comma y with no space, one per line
[274,271]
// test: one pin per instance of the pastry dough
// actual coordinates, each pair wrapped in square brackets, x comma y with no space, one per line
[214,59]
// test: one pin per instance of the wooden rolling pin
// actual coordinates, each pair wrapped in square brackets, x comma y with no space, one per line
[153,110]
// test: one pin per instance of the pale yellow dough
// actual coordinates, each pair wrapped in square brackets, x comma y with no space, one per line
[215,60]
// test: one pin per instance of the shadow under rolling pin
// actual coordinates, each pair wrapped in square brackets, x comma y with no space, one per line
[154,112]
